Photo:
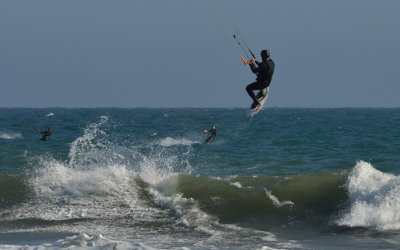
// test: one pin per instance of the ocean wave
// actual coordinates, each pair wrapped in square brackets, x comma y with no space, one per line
[191,198]
[10,135]
[193,213]
[58,192]
[203,201]
[13,189]
[374,199]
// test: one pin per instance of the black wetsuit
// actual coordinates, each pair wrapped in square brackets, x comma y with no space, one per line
[264,73]
[212,136]
[46,135]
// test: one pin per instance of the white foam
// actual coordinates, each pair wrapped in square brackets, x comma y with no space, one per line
[275,200]
[10,136]
[186,209]
[67,193]
[99,180]
[374,197]
[85,241]
[50,114]
[236,184]
[171,142]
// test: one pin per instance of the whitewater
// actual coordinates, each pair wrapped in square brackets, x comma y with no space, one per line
[144,179]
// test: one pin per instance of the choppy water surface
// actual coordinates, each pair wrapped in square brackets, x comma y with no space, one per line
[143,178]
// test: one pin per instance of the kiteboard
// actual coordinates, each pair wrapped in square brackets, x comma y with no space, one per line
[261,99]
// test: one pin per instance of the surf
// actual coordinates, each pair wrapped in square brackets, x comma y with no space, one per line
[130,188]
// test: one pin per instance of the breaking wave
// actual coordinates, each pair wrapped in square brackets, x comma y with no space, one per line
[374,199]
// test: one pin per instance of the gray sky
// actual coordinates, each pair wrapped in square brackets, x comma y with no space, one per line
[147,53]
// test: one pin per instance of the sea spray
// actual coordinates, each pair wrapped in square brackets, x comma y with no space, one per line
[91,140]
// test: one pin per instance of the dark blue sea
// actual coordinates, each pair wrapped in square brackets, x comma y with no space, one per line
[115,178]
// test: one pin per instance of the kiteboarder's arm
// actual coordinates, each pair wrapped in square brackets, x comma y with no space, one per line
[253,67]
[205,131]
[37,129]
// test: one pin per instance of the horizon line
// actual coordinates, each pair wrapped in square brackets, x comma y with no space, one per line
[277,107]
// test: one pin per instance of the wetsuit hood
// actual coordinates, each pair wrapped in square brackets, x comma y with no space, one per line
[265,54]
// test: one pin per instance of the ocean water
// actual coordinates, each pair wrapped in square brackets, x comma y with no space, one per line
[143,179]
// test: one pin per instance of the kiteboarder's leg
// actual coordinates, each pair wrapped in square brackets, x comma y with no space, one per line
[250,88]
[262,92]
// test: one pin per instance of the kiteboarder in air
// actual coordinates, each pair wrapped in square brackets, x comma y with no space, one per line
[213,132]
[46,134]
[264,72]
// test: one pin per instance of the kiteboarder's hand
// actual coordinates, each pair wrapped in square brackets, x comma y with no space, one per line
[205,131]
[252,60]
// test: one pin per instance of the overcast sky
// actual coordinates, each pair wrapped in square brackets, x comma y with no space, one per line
[147,53]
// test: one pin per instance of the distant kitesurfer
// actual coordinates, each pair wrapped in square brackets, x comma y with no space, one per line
[213,132]
[264,72]
[46,134]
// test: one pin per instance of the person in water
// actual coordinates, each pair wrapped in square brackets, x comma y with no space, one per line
[46,134]
[213,132]
[264,72]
